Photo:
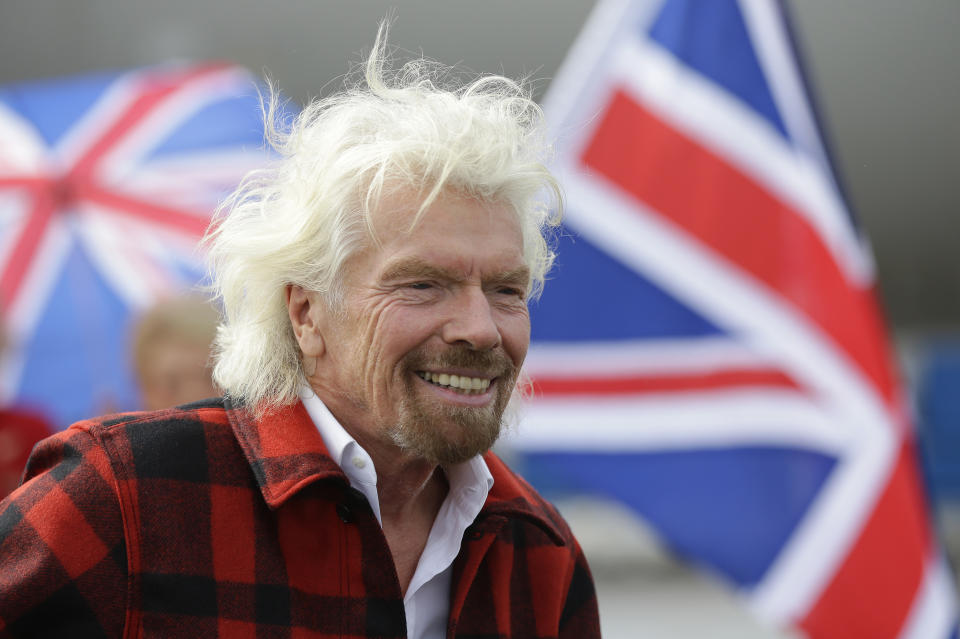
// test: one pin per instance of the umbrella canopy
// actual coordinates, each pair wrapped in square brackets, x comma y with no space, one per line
[107,181]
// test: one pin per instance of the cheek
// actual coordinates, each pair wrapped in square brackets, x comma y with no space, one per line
[365,347]
[515,333]
[388,333]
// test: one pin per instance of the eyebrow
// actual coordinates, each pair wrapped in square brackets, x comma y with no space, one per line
[516,276]
[416,268]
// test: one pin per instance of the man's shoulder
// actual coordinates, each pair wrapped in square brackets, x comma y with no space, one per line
[172,440]
[187,416]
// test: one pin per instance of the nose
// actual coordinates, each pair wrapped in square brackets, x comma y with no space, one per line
[471,321]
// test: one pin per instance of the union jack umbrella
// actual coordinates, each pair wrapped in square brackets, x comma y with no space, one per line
[709,349]
[107,181]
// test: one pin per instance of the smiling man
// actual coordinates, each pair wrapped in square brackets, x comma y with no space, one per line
[375,287]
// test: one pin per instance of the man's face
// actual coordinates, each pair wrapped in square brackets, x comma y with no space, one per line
[425,352]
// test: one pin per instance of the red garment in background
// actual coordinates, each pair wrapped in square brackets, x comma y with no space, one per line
[19,431]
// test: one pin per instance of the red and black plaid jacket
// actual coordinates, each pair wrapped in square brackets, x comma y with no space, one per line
[202,521]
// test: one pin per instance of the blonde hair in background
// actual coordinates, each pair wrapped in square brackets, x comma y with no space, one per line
[187,322]
[411,129]
[188,319]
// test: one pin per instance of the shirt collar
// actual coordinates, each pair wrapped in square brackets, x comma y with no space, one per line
[335,436]
[470,482]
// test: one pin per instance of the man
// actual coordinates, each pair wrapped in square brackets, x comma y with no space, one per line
[375,287]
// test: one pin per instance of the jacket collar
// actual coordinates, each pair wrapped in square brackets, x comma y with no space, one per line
[511,496]
[284,449]
[286,453]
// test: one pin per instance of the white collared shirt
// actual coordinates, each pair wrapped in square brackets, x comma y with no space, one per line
[427,601]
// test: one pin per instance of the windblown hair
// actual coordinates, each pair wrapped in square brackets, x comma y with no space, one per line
[409,130]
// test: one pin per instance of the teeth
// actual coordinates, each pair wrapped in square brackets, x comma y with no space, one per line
[459,382]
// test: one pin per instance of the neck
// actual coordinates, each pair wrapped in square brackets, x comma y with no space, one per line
[406,485]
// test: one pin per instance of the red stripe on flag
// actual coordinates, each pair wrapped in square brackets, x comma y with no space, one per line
[889,558]
[736,217]
[23,182]
[637,384]
[131,206]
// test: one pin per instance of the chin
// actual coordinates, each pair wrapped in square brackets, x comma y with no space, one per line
[452,439]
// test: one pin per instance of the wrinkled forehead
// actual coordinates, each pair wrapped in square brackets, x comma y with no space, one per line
[462,233]
[403,211]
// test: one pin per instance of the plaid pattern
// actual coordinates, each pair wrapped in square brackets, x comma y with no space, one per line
[201,521]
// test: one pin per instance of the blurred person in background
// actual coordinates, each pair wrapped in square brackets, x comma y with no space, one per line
[171,356]
[171,352]
[20,429]
[375,287]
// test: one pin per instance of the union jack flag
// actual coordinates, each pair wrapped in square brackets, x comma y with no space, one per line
[710,350]
[107,181]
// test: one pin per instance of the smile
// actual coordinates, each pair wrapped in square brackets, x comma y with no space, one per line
[459,383]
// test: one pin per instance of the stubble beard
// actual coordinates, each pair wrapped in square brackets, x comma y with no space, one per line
[443,434]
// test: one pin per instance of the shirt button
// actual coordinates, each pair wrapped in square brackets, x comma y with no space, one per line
[359,462]
[344,512]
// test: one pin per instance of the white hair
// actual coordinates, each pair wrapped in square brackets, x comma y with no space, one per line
[299,221]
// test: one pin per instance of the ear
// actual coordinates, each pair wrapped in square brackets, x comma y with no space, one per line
[304,308]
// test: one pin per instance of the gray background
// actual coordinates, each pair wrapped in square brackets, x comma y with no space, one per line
[885,71]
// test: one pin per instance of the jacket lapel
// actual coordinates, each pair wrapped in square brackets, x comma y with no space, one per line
[511,496]
[284,450]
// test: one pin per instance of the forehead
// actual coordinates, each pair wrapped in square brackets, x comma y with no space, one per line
[460,231]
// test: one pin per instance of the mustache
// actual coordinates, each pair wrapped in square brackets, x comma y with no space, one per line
[493,363]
